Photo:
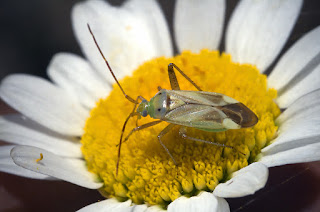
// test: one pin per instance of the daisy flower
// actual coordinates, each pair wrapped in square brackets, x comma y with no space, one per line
[68,128]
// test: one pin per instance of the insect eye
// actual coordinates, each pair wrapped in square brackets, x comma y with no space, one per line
[144,113]
[159,109]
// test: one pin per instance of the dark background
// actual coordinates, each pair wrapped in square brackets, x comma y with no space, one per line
[33,31]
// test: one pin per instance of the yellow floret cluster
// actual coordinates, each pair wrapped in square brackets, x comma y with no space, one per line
[146,172]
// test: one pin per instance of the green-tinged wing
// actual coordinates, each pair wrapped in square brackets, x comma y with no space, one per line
[201,97]
[199,116]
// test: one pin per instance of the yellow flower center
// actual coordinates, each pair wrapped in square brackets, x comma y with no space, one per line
[147,174]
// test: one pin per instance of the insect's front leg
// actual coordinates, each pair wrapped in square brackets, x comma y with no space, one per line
[133,113]
[137,125]
[134,108]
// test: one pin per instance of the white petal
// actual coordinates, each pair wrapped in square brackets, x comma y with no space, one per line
[125,35]
[244,182]
[198,25]
[44,103]
[154,208]
[302,154]
[205,202]
[298,129]
[114,205]
[71,170]
[258,30]
[308,84]
[151,13]
[7,165]
[74,74]
[306,103]
[108,205]
[18,129]
[293,62]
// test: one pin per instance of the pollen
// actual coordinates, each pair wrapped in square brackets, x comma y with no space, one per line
[39,159]
[147,174]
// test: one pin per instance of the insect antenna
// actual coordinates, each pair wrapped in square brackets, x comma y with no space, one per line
[114,77]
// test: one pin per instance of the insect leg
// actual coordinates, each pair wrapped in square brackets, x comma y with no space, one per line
[162,133]
[183,134]
[150,124]
[173,79]
[133,113]
[114,77]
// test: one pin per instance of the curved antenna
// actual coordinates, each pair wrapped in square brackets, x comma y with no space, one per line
[114,77]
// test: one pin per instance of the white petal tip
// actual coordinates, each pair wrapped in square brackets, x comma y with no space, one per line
[47,163]
[244,182]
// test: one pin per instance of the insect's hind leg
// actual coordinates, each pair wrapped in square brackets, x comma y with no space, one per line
[183,134]
[173,79]
[162,133]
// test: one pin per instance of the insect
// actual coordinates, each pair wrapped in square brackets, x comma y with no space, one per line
[207,111]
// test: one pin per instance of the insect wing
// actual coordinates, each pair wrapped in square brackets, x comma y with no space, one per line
[201,97]
[207,110]
[198,116]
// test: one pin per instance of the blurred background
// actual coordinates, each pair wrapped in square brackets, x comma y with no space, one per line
[33,31]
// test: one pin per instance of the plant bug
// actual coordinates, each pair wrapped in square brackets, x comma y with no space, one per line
[207,111]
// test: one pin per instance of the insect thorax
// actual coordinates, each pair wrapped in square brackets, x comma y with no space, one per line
[157,107]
